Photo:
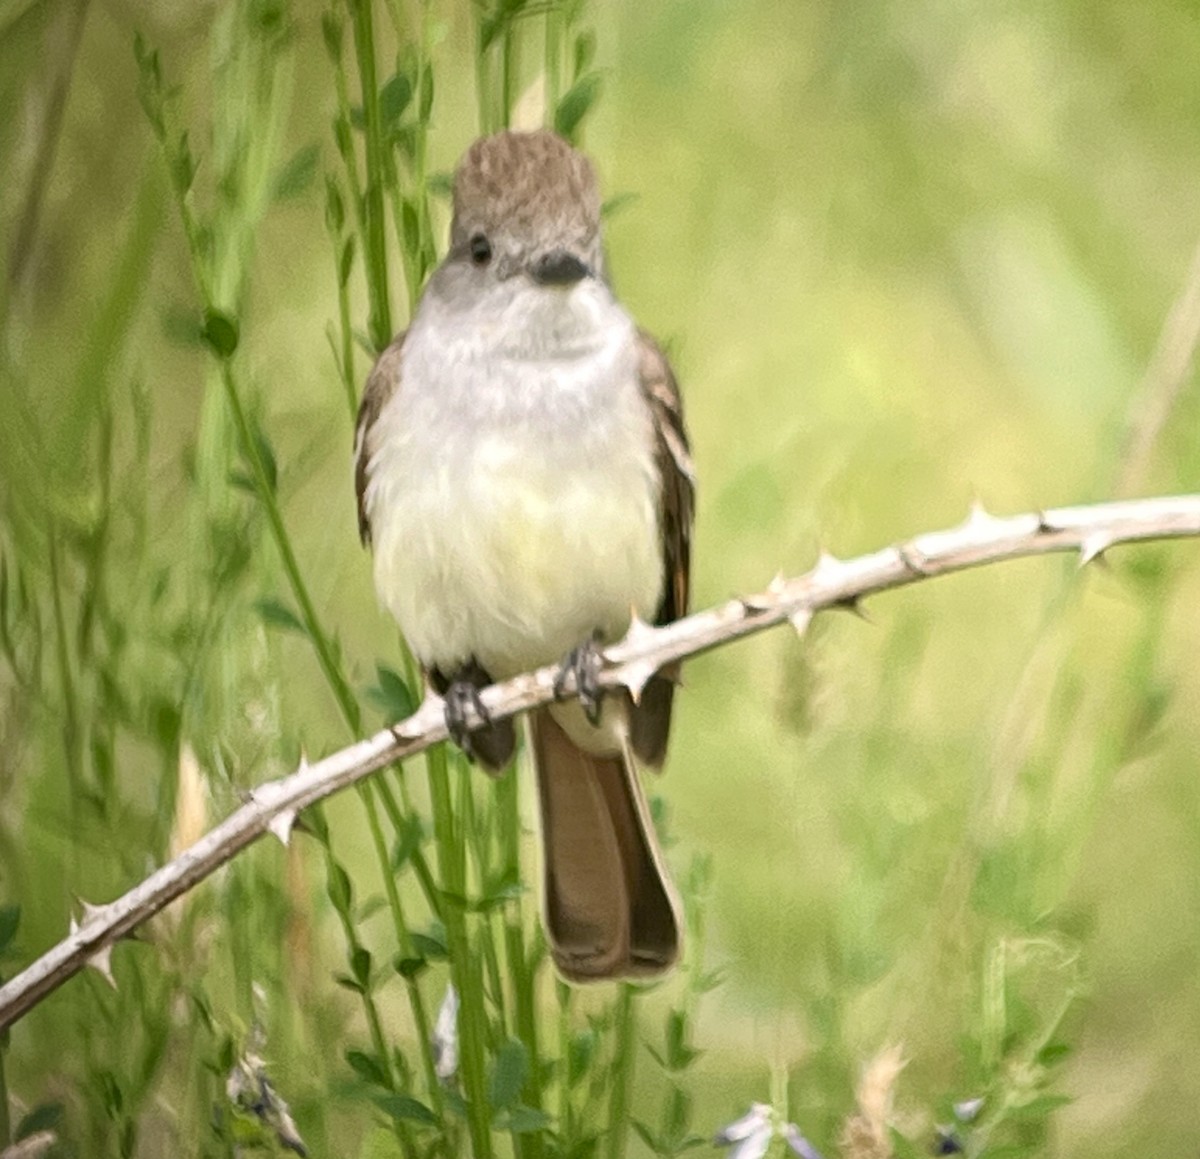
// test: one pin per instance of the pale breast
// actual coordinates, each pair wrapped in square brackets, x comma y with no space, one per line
[514,503]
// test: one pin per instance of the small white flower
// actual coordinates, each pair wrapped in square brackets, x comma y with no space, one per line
[798,1143]
[966,1111]
[445,1036]
[749,1136]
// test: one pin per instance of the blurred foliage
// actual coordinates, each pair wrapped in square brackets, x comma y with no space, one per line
[905,255]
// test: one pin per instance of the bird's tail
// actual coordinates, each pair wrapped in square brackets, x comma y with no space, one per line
[611,911]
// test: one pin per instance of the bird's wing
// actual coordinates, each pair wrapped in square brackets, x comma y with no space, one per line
[381,385]
[650,718]
[678,493]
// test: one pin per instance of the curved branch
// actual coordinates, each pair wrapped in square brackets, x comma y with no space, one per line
[273,806]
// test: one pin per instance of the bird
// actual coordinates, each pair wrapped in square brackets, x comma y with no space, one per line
[525,483]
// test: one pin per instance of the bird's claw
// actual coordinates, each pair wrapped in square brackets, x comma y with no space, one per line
[583,665]
[462,701]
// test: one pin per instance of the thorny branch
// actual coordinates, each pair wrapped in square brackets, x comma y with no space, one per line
[273,806]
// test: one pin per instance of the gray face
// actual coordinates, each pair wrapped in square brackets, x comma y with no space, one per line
[526,205]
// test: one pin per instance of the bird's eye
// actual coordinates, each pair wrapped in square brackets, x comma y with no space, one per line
[481,250]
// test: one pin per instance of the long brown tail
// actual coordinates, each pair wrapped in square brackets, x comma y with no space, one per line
[610,910]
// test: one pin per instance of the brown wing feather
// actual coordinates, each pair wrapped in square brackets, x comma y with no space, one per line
[650,720]
[381,385]
[677,501]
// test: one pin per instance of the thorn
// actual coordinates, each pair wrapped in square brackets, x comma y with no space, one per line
[854,605]
[303,762]
[1093,546]
[912,559]
[89,911]
[800,619]
[639,629]
[978,513]
[826,563]
[281,825]
[776,589]
[981,521]
[101,960]
[634,676]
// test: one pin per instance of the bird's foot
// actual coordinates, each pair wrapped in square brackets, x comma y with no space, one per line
[463,702]
[583,664]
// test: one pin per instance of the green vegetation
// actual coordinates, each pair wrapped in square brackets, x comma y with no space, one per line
[904,256]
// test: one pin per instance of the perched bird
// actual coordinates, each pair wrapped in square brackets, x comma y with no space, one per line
[524,481]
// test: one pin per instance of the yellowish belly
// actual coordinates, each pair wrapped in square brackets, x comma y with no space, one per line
[514,564]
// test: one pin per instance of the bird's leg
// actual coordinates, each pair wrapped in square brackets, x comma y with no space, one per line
[583,664]
[489,745]
[462,699]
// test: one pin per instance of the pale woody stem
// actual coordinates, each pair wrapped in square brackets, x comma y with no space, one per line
[982,539]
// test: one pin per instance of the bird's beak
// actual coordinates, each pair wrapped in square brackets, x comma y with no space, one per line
[559,268]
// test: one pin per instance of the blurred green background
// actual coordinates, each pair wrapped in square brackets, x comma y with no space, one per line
[905,254]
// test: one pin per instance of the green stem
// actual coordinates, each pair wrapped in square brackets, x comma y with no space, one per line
[270,505]
[71,729]
[554,57]
[483,77]
[622,1079]
[416,1001]
[5,1121]
[398,819]
[464,971]
[521,977]
[566,1123]
[510,72]
[375,239]
[347,338]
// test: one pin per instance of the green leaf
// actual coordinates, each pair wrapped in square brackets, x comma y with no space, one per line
[10,919]
[346,261]
[278,615]
[426,95]
[394,98]
[368,1066]
[410,226]
[335,206]
[580,1052]
[339,889]
[266,455]
[679,1056]
[1053,1052]
[648,1137]
[408,841]
[360,966]
[405,1107]
[180,326]
[522,1120]
[503,890]
[45,1117]
[440,184]
[332,27]
[431,945]
[183,165]
[391,694]
[220,332]
[585,51]
[1040,1107]
[618,202]
[575,103]
[409,968]
[297,173]
[508,1073]
[369,908]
